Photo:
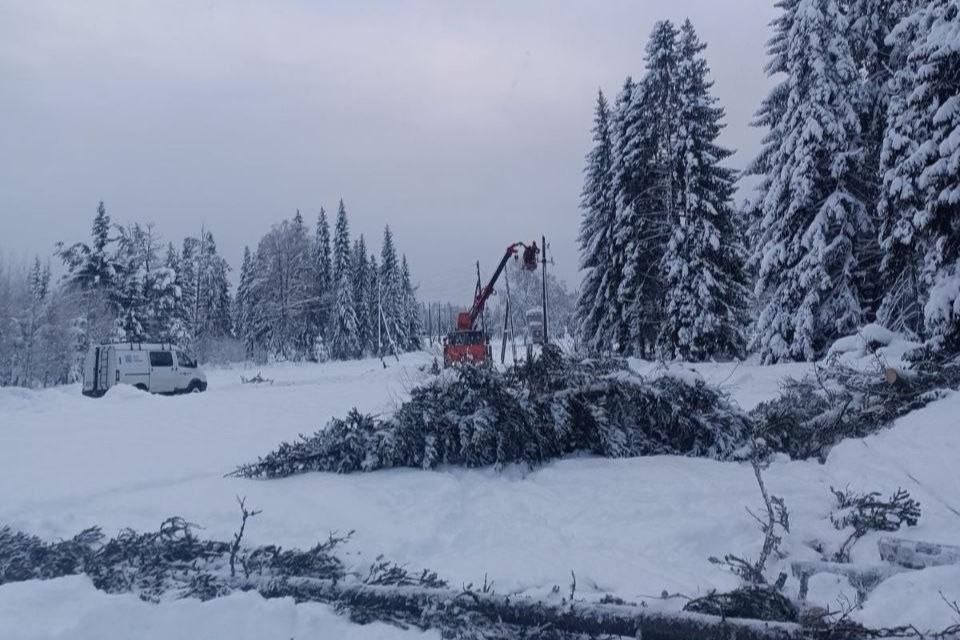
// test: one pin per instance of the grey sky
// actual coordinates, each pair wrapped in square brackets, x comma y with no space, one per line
[463,125]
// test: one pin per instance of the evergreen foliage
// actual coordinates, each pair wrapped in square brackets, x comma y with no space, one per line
[343,332]
[920,159]
[659,241]
[812,216]
[597,229]
[702,264]
[474,416]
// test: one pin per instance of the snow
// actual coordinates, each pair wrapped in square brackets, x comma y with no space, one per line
[630,527]
[74,610]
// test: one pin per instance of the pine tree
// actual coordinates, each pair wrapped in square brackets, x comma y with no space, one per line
[344,341]
[646,192]
[900,199]
[372,303]
[91,267]
[596,239]
[302,312]
[921,158]
[812,218]
[391,293]
[361,280]
[632,153]
[322,277]
[178,330]
[188,280]
[243,305]
[215,292]
[702,266]
[412,326]
[871,23]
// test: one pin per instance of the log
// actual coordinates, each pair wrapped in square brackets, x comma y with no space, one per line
[416,605]
[915,554]
[863,578]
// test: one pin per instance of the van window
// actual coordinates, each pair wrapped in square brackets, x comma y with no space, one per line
[186,361]
[161,359]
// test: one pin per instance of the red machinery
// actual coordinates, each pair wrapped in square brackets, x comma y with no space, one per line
[466,343]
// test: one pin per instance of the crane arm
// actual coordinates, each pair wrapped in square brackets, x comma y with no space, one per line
[467,321]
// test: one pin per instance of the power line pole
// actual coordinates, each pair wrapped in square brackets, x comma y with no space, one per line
[379,322]
[543,240]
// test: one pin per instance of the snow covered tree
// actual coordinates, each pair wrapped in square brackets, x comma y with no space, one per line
[871,23]
[213,321]
[921,162]
[412,326]
[243,304]
[645,179]
[178,317]
[322,277]
[91,266]
[811,215]
[344,341]
[280,274]
[372,303]
[703,263]
[91,282]
[361,280]
[596,239]
[391,293]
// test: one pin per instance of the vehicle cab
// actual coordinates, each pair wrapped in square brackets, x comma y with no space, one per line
[466,347]
[155,367]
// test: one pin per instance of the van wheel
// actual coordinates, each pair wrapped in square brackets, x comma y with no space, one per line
[193,387]
[140,386]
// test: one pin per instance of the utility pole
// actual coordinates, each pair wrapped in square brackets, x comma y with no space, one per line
[543,241]
[379,323]
[196,302]
[430,323]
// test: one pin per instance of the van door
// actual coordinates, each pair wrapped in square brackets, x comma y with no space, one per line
[163,376]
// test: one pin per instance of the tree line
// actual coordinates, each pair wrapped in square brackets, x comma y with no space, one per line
[855,216]
[299,298]
[308,295]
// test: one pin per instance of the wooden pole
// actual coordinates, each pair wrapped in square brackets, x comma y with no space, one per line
[543,240]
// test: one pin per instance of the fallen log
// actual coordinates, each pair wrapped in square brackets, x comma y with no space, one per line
[423,607]
[863,578]
[915,554]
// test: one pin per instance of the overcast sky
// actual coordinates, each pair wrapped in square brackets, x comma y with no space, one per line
[462,124]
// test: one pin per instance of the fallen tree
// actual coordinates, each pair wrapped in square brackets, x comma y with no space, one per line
[174,563]
[838,401]
[555,406]
[552,407]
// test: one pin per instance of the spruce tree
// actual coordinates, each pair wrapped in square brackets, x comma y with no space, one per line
[646,192]
[412,325]
[811,215]
[702,267]
[91,267]
[391,293]
[921,158]
[361,280]
[372,302]
[871,23]
[243,304]
[344,341]
[322,277]
[596,239]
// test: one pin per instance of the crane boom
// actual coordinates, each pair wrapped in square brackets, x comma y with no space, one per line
[466,344]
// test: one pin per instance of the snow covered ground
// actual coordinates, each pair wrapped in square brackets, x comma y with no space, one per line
[632,528]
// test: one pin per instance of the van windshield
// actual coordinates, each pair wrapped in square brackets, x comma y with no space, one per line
[186,361]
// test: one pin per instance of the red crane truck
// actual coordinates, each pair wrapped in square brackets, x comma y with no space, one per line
[468,344]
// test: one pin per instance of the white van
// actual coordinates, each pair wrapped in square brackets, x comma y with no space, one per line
[157,368]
